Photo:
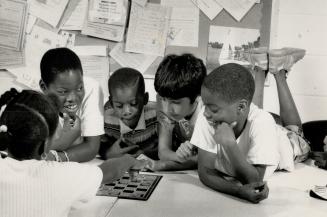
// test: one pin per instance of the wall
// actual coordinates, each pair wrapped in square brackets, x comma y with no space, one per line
[302,23]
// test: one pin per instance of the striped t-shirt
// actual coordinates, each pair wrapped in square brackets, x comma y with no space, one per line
[145,135]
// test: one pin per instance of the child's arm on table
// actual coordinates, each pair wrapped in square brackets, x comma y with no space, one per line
[165,151]
[115,168]
[245,172]
[212,178]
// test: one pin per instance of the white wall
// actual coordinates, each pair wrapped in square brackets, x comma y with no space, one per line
[302,24]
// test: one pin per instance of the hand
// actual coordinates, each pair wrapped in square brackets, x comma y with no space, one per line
[116,151]
[254,192]
[71,122]
[320,159]
[224,133]
[115,168]
[185,151]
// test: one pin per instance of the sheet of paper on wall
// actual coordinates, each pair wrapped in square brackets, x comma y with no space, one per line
[31,20]
[138,61]
[91,50]
[148,28]
[141,2]
[37,43]
[13,16]
[229,44]
[11,58]
[209,7]
[237,8]
[110,12]
[105,31]
[76,19]
[97,67]
[183,24]
[49,11]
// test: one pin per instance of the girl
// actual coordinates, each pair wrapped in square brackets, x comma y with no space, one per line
[34,187]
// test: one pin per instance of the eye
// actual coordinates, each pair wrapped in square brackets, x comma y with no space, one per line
[118,105]
[176,102]
[134,103]
[62,92]
[80,88]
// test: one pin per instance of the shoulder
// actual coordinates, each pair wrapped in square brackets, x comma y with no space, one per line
[150,111]
[260,116]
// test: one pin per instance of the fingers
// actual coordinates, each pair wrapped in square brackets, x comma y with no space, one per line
[185,150]
[321,163]
[318,155]
[118,141]
[233,124]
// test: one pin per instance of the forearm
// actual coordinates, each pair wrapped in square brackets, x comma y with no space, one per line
[167,155]
[244,171]
[115,168]
[85,151]
[212,179]
[173,165]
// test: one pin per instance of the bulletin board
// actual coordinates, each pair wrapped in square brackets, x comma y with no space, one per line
[258,17]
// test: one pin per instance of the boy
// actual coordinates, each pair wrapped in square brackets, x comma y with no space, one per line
[81,105]
[239,141]
[130,124]
[178,83]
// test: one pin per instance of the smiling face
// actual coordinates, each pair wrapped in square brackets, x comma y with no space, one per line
[217,110]
[69,88]
[128,104]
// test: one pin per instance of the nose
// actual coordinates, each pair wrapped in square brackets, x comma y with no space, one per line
[127,110]
[72,96]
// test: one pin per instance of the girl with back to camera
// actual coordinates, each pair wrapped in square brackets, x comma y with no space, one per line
[31,186]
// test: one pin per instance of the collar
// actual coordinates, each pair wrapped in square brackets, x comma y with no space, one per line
[140,125]
[197,110]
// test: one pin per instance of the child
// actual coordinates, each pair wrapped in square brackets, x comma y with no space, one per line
[178,83]
[130,124]
[81,101]
[33,187]
[239,141]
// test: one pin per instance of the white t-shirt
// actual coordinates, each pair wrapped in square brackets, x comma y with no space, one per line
[33,188]
[260,142]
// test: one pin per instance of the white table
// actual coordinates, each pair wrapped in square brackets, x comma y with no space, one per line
[184,195]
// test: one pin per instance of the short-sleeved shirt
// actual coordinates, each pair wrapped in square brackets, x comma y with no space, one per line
[260,142]
[33,188]
[182,129]
[145,134]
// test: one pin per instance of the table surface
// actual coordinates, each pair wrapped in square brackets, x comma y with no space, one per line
[183,194]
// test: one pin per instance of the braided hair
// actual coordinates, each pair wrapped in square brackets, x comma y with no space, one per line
[28,119]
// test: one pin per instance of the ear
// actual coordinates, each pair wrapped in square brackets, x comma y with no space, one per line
[242,106]
[42,85]
[146,98]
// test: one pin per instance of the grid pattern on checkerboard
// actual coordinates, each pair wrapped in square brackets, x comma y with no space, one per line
[140,188]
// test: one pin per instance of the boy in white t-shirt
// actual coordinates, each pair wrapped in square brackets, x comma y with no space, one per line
[81,106]
[239,141]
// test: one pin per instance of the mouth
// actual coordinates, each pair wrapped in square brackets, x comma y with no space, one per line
[71,108]
[213,123]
